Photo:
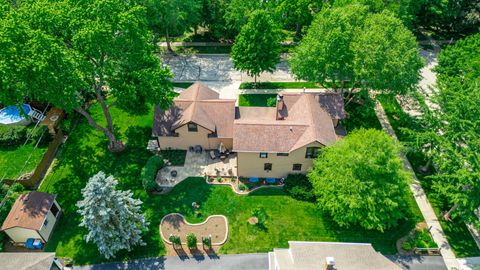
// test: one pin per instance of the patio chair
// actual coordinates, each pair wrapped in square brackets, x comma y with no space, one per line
[214,154]
[198,149]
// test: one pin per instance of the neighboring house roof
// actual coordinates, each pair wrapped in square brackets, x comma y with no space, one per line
[347,256]
[307,118]
[29,211]
[200,105]
[26,261]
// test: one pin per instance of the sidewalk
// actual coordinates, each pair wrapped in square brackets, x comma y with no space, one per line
[427,211]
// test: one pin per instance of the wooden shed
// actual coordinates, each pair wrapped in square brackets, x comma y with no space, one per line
[33,215]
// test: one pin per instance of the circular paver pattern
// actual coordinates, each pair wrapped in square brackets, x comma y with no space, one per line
[216,226]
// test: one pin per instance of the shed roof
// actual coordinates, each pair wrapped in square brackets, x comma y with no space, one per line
[29,211]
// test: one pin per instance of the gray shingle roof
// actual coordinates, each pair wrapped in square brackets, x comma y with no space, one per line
[26,261]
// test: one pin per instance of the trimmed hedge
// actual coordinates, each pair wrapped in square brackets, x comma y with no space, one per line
[149,172]
[299,187]
[12,135]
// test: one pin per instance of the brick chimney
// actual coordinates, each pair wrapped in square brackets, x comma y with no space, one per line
[280,107]
[329,263]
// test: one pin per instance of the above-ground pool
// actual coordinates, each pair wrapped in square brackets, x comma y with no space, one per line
[12,115]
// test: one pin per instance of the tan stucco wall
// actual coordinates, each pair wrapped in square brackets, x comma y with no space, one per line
[20,235]
[46,231]
[186,139]
[250,164]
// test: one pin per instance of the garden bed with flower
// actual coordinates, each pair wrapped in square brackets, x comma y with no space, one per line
[243,185]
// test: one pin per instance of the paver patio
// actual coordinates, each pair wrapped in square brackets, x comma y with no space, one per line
[197,164]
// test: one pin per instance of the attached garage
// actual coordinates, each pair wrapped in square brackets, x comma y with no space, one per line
[33,215]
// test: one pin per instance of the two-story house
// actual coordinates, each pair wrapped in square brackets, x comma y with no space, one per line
[269,141]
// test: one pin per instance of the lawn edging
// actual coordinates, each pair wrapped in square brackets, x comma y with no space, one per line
[239,192]
[195,225]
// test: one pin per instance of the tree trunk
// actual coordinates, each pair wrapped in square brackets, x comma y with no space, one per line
[448,215]
[298,29]
[167,39]
[350,95]
[424,169]
[114,145]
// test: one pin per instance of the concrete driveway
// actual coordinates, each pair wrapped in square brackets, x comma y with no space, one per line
[257,261]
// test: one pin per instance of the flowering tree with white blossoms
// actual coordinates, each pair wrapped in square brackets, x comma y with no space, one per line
[113,218]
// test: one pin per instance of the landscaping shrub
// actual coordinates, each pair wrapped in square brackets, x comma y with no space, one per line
[191,241]
[149,172]
[242,186]
[271,102]
[299,187]
[38,132]
[207,242]
[421,239]
[175,239]
[12,135]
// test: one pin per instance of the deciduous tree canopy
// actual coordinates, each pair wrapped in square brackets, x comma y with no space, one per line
[68,53]
[257,47]
[348,43]
[361,180]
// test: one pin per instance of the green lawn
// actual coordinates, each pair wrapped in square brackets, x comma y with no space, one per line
[182,84]
[14,158]
[257,100]
[285,85]
[457,233]
[85,153]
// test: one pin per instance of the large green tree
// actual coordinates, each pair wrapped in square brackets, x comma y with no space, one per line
[452,135]
[257,47]
[370,50]
[69,53]
[172,17]
[361,180]
[113,218]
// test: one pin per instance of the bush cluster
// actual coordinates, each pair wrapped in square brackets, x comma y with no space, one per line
[12,135]
[299,187]
[149,172]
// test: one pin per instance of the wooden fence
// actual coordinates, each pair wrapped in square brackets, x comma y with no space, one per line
[44,164]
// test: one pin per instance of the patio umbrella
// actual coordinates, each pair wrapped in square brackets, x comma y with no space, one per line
[222,148]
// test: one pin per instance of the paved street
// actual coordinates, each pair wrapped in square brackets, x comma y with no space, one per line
[419,262]
[223,262]
[218,67]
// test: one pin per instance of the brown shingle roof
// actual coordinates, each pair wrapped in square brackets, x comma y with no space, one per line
[29,211]
[305,121]
[198,104]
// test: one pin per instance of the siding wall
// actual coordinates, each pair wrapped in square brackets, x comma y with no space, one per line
[186,139]
[46,231]
[250,164]
[20,235]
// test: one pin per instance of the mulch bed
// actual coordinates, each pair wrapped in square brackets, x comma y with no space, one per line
[216,226]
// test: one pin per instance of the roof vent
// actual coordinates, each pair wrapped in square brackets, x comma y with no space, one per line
[330,263]
[291,128]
